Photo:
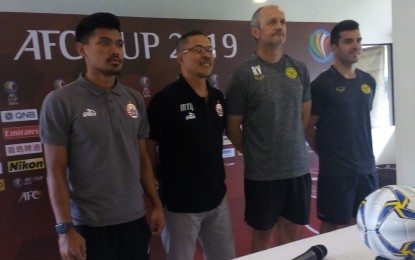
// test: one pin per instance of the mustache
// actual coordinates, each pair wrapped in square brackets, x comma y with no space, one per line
[114,58]
[278,32]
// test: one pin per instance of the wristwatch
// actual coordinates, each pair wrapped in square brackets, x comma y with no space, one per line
[62,228]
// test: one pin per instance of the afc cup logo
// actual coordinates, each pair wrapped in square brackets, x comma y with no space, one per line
[58,83]
[145,85]
[319,46]
[10,87]
[145,82]
[18,182]
[214,80]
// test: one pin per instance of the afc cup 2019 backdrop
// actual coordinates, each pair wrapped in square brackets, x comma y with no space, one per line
[37,55]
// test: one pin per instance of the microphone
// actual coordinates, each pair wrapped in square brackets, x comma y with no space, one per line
[316,252]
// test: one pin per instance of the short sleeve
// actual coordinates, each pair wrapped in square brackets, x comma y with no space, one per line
[316,97]
[235,96]
[54,120]
[157,116]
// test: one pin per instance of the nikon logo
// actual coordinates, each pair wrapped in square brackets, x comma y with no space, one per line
[26,165]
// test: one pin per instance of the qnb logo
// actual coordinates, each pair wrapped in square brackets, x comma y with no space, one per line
[30,195]
[228,152]
[319,46]
[89,113]
[18,115]
[26,165]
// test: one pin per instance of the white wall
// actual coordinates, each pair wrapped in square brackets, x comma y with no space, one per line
[374,16]
[403,60]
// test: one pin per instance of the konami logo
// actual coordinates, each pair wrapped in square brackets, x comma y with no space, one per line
[19,115]
[2,185]
[20,132]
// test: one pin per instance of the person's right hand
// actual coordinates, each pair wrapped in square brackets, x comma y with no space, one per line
[72,246]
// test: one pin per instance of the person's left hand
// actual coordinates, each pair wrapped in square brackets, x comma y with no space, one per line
[156,220]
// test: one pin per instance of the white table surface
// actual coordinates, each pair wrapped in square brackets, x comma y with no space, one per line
[342,244]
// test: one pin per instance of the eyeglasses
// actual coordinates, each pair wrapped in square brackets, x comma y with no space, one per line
[200,50]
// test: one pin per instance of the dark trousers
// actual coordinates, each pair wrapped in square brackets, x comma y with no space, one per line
[127,241]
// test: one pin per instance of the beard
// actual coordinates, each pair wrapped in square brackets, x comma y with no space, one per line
[111,72]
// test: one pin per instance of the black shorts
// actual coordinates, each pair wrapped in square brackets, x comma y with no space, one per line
[266,201]
[339,197]
[123,241]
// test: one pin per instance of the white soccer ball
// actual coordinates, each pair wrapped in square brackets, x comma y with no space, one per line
[386,221]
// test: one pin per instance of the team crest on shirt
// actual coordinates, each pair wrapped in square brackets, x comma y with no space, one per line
[187,108]
[256,70]
[291,72]
[219,109]
[340,89]
[366,89]
[131,110]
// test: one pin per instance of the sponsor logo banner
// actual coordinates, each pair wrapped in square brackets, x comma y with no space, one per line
[20,132]
[20,182]
[18,115]
[229,152]
[24,148]
[2,185]
[226,140]
[30,195]
[26,165]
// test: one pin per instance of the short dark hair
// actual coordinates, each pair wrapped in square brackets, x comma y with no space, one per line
[183,39]
[95,21]
[346,25]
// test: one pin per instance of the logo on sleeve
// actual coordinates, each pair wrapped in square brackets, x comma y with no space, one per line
[187,107]
[291,72]
[340,89]
[132,110]
[256,70]
[89,112]
[366,89]
[190,116]
[219,109]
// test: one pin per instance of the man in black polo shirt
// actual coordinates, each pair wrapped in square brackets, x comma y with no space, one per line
[186,126]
